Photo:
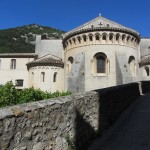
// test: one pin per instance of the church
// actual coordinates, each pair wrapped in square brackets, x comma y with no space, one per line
[98,54]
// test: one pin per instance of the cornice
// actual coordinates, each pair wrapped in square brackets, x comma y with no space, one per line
[100,29]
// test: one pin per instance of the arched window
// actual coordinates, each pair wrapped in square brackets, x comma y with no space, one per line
[79,39]
[117,38]
[70,42]
[101,62]
[90,37]
[55,77]
[84,38]
[97,37]
[42,76]
[132,65]
[132,39]
[74,40]
[69,64]
[111,37]
[128,40]
[104,37]
[147,70]
[123,38]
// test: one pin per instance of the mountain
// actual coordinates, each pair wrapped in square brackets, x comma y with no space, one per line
[22,39]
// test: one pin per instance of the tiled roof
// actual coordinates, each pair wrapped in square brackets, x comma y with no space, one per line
[100,22]
[47,60]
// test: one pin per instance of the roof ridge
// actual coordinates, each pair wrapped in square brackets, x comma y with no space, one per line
[95,21]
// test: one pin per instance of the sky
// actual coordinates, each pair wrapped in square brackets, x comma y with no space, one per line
[69,14]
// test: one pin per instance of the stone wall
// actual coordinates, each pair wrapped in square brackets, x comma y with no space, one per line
[50,124]
[64,122]
[113,101]
[145,85]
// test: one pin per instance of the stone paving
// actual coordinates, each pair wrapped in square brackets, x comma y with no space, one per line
[131,131]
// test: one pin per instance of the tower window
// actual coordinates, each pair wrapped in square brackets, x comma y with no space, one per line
[42,76]
[90,37]
[147,70]
[97,37]
[104,37]
[84,38]
[100,63]
[55,77]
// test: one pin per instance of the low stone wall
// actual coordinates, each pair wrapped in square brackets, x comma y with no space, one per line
[113,101]
[145,85]
[55,124]
[64,122]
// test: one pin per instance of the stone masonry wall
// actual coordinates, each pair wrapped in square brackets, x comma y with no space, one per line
[64,122]
[50,124]
[145,86]
[113,101]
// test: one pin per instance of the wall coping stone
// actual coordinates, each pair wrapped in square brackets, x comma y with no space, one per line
[20,109]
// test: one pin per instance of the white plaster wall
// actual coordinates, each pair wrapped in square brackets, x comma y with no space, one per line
[96,81]
[48,84]
[143,73]
[120,72]
[21,72]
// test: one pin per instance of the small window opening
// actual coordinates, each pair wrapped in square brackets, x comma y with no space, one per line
[55,77]
[42,76]
[19,82]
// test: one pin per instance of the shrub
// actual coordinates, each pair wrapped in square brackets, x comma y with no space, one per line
[9,95]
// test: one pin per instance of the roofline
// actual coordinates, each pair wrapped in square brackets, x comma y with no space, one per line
[2,55]
[29,65]
[100,29]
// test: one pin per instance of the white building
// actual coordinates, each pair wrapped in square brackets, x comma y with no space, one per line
[98,54]
[13,68]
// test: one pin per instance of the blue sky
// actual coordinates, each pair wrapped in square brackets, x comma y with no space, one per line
[68,14]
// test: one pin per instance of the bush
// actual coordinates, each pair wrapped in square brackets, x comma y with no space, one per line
[9,95]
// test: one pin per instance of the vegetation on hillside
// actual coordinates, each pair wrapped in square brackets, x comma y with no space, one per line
[22,39]
[9,95]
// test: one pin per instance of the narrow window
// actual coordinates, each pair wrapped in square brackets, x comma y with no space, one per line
[13,64]
[117,37]
[55,77]
[70,42]
[74,40]
[123,38]
[84,38]
[128,39]
[79,39]
[90,37]
[111,37]
[104,37]
[97,37]
[132,65]
[42,76]
[100,64]
[69,64]
[147,70]
[19,82]
[32,79]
